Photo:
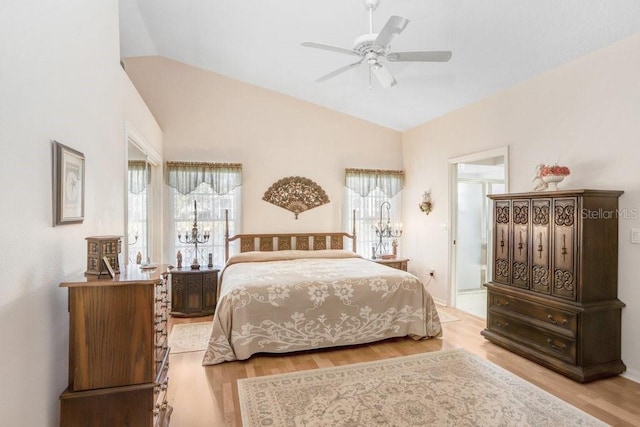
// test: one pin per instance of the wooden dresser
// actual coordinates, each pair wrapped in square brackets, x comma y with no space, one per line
[118,351]
[553,294]
[193,292]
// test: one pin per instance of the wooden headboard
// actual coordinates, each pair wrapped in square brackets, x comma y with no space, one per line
[286,241]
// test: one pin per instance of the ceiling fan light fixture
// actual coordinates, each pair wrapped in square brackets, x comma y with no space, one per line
[384,76]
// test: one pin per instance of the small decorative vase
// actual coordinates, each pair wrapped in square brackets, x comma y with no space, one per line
[552,181]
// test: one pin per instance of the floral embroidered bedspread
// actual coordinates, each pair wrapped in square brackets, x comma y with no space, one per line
[285,301]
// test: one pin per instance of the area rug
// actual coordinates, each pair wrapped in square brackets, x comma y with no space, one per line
[186,337]
[446,317]
[444,388]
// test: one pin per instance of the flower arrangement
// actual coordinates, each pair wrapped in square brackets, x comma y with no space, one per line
[554,170]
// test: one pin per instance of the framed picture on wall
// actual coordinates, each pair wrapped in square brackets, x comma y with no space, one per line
[68,184]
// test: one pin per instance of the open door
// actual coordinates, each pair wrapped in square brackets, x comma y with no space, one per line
[473,178]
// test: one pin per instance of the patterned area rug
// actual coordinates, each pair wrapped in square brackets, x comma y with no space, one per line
[446,317]
[187,337]
[441,388]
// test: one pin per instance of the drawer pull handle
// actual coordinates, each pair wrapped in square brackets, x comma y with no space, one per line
[502,324]
[561,347]
[502,304]
[540,248]
[555,322]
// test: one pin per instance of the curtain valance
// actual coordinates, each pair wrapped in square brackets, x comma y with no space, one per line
[139,176]
[364,181]
[186,176]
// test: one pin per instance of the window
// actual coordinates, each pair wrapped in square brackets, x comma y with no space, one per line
[368,191]
[213,188]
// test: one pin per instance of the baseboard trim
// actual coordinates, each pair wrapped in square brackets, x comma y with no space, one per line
[632,375]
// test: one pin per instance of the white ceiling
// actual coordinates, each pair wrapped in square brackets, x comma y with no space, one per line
[495,44]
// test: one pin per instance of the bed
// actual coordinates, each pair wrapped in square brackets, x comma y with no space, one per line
[292,292]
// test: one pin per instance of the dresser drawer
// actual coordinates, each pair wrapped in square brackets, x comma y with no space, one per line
[555,345]
[548,315]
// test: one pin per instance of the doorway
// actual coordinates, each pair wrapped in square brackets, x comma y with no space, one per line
[473,177]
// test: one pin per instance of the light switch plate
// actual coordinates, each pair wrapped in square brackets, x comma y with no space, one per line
[635,236]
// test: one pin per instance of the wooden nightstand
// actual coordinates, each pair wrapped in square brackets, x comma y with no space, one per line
[399,263]
[193,292]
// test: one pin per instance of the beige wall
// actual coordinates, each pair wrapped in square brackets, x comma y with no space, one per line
[208,117]
[584,115]
[61,80]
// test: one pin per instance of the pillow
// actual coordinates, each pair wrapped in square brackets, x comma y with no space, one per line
[258,256]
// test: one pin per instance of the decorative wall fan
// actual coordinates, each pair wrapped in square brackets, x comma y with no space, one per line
[296,194]
[372,48]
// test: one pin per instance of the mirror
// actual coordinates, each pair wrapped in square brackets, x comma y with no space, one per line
[138,180]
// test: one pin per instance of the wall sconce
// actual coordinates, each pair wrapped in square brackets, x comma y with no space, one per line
[426,205]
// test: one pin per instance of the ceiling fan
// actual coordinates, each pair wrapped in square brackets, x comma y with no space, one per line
[373,48]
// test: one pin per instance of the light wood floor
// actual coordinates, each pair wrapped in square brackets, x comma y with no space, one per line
[208,396]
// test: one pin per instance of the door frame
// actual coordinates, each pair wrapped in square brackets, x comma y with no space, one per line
[453,205]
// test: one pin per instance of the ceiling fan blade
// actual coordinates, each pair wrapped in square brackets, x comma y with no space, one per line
[394,26]
[432,56]
[383,75]
[330,48]
[339,71]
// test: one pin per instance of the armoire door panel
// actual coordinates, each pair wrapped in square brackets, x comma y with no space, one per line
[564,241]
[501,271]
[520,241]
[540,262]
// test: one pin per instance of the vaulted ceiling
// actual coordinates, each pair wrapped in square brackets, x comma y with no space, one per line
[495,43]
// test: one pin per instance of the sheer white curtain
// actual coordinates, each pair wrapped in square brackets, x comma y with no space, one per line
[215,187]
[138,182]
[366,190]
